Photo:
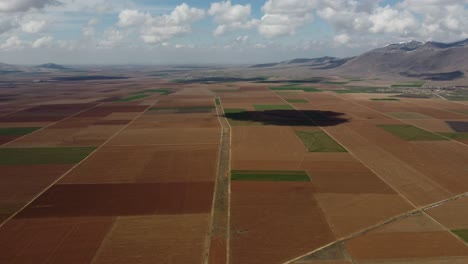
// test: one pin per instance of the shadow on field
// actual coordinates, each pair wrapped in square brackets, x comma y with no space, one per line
[288,117]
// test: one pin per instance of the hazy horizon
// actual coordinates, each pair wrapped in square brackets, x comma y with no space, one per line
[141,32]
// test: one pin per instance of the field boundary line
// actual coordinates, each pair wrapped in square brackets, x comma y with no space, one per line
[420,210]
[401,120]
[209,238]
[72,168]
[49,125]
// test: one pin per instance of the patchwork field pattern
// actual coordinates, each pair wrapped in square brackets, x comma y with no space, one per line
[148,170]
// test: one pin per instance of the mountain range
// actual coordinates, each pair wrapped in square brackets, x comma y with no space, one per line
[427,60]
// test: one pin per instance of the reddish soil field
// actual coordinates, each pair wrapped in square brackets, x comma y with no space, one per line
[6,139]
[45,113]
[349,182]
[166,136]
[89,136]
[272,222]
[453,215]
[20,184]
[155,119]
[405,245]
[266,147]
[350,213]
[52,240]
[155,239]
[192,163]
[103,111]
[370,144]
[70,200]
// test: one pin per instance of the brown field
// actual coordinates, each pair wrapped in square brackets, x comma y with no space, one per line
[155,239]
[53,240]
[84,200]
[266,148]
[145,164]
[272,222]
[93,135]
[158,188]
[452,215]
[19,184]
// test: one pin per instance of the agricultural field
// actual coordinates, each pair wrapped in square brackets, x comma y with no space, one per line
[160,168]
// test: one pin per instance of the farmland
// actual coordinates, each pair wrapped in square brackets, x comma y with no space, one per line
[160,168]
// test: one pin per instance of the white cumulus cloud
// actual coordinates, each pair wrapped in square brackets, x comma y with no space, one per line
[158,29]
[34,26]
[230,17]
[284,17]
[45,41]
[24,5]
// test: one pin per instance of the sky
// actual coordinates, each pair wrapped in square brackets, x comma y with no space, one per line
[216,32]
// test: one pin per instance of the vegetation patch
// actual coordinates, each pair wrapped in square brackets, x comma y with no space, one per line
[295,87]
[411,133]
[31,156]
[385,99]
[133,98]
[455,136]
[462,233]
[319,141]
[416,84]
[17,131]
[297,101]
[273,107]
[217,101]
[408,115]
[253,175]
[365,89]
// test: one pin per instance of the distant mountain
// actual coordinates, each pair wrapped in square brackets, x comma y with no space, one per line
[313,63]
[412,59]
[53,66]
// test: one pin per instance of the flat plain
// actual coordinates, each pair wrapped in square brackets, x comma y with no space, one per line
[157,170]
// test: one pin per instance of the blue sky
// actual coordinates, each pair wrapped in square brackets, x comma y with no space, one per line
[236,31]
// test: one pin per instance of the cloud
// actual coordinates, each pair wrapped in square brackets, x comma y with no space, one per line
[7,24]
[112,38]
[34,26]
[284,17]
[45,41]
[231,17]
[8,6]
[12,43]
[158,29]
[342,38]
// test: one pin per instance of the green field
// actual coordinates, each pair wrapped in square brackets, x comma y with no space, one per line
[411,133]
[17,131]
[161,91]
[385,99]
[217,101]
[133,98]
[294,176]
[416,84]
[297,101]
[295,87]
[408,115]
[319,141]
[273,107]
[188,109]
[455,135]
[364,89]
[31,156]
[462,233]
